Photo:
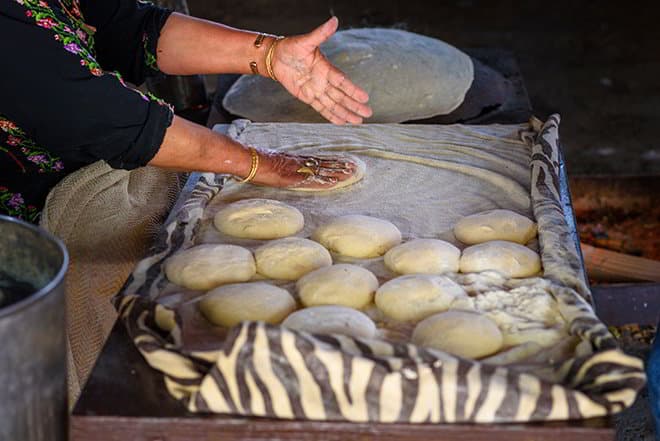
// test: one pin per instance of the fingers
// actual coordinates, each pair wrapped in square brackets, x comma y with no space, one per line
[339,80]
[345,101]
[327,113]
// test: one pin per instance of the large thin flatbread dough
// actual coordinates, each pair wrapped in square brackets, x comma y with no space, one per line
[407,76]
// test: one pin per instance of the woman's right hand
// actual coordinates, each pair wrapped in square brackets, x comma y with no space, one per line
[283,170]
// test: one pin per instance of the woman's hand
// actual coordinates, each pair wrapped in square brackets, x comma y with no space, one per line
[277,169]
[307,74]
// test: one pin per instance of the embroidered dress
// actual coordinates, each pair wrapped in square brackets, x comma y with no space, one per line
[64,103]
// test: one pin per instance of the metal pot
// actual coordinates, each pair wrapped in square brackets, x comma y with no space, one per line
[33,390]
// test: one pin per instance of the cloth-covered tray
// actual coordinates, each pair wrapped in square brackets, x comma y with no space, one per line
[266,370]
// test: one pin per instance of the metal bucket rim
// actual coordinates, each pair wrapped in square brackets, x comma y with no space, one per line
[54,282]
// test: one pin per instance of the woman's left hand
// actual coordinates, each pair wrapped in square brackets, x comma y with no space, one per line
[307,74]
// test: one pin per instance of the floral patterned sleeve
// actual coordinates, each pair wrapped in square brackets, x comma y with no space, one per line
[55,88]
[126,35]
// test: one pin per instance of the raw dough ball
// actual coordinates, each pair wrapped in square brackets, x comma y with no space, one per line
[332,319]
[258,301]
[207,266]
[461,333]
[360,171]
[259,219]
[290,258]
[415,297]
[495,225]
[343,284]
[508,258]
[356,235]
[423,256]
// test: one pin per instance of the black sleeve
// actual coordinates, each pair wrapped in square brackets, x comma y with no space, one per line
[126,36]
[64,102]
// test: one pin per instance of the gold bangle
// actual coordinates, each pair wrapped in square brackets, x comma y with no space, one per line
[253,167]
[269,57]
[257,44]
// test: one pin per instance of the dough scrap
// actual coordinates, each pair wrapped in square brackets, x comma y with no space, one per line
[412,298]
[342,284]
[423,256]
[462,333]
[332,319]
[508,258]
[229,305]
[355,235]
[259,219]
[290,258]
[495,225]
[204,267]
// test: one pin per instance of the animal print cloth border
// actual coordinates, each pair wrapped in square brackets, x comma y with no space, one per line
[267,370]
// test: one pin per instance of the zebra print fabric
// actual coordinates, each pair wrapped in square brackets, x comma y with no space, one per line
[270,371]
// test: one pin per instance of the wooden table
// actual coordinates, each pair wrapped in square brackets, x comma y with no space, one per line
[124,399]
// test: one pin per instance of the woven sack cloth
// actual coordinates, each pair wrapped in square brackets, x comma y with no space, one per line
[107,219]
[407,76]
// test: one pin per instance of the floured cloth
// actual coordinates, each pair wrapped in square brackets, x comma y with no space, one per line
[423,179]
[107,219]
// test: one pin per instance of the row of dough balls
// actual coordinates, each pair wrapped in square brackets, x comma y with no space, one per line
[334,295]
[351,235]
[499,236]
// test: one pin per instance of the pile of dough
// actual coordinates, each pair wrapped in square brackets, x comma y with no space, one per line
[415,297]
[259,219]
[495,225]
[462,333]
[342,284]
[332,319]
[207,266]
[508,258]
[290,258]
[423,256]
[257,301]
[358,236]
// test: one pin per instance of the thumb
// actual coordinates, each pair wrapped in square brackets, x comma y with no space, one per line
[323,32]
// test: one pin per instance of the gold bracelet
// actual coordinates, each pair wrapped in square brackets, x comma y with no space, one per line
[257,44]
[253,167]
[269,57]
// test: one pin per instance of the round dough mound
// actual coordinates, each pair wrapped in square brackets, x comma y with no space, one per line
[423,256]
[461,333]
[415,297]
[342,284]
[257,301]
[495,225]
[355,235]
[332,319]
[206,266]
[259,219]
[290,258]
[508,258]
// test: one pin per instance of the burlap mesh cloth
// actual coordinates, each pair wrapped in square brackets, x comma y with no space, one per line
[107,219]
